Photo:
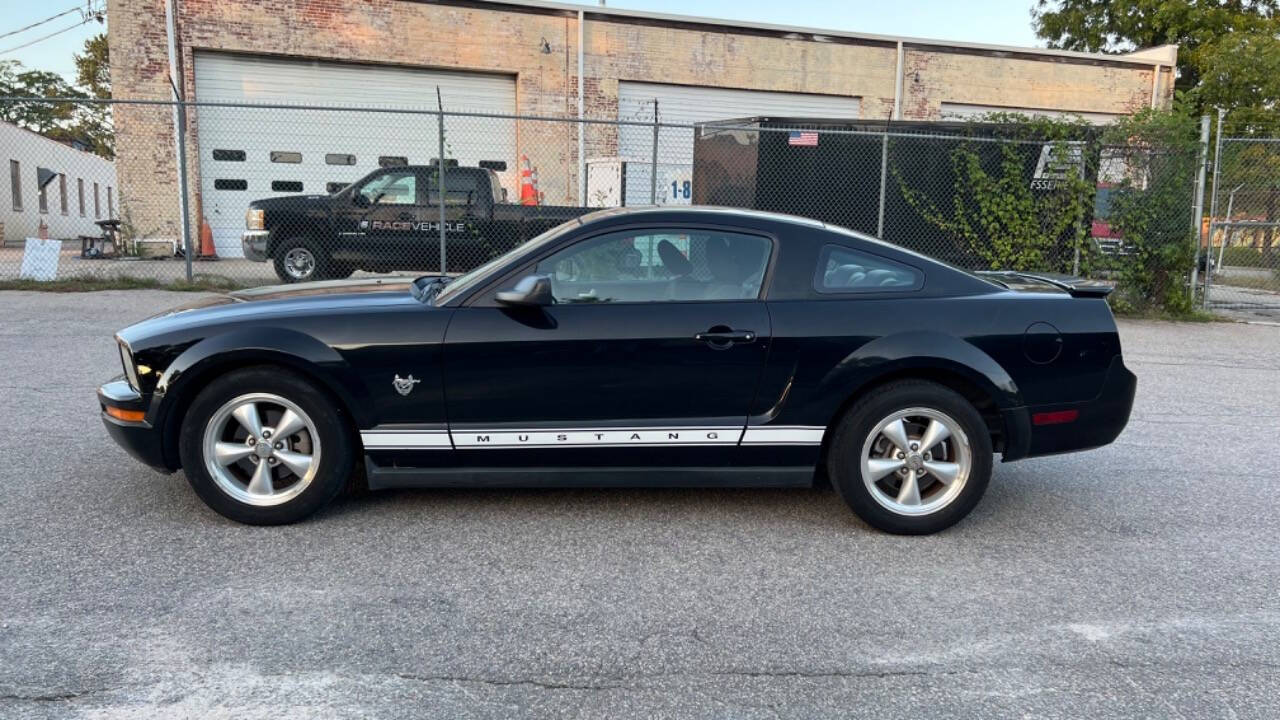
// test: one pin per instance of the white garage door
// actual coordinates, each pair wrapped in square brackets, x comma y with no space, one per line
[248,153]
[687,104]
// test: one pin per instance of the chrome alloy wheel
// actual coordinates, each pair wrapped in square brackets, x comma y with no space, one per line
[299,263]
[261,449]
[916,461]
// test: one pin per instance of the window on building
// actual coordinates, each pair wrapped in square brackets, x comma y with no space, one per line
[97,207]
[62,193]
[286,186]
[286,156]
[229,155]
[496,165]
[43,196]
[339,159]
[225,184]
[15,183]
[111,203]
[392,161]
[80,194]
[841,270]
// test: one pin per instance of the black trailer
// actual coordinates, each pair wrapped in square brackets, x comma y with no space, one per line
[878,178]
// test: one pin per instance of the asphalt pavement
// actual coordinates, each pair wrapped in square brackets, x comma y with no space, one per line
[1137,580]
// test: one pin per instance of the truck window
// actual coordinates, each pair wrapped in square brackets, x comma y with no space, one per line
[398,187]
[459,187]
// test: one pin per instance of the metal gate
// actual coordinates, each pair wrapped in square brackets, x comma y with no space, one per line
[1244,226]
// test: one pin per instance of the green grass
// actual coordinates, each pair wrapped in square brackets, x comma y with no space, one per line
[1257,283]
[1195,315]
[94,283]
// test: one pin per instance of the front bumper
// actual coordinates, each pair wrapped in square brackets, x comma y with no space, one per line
[255,244]
[1098,421]
[140,439]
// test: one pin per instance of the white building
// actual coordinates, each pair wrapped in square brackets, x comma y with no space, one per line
[83,192]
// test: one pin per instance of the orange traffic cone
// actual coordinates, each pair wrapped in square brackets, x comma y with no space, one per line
[528,194]
[207,249]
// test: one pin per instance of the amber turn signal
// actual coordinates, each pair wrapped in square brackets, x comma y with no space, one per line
[126,415]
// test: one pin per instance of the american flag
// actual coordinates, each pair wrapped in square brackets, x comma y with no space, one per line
[803,138]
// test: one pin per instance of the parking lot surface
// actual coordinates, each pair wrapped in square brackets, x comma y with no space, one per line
[1137,580]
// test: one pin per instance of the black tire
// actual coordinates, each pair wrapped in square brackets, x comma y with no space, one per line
[854,432]
[332,428]
[289,270]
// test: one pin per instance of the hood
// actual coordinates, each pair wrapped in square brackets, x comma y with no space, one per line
[285,201]
[275,303]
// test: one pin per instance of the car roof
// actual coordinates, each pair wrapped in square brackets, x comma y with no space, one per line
[707,211]
[719,212]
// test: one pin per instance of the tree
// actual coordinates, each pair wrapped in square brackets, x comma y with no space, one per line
[66,121]
[93,68]
[47,118]
[1218,41]
[93,73]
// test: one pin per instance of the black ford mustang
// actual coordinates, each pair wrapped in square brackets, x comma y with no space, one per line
[693,346]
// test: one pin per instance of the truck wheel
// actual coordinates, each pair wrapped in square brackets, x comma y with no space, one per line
[300,260]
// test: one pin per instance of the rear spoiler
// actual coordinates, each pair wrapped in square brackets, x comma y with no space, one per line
[1077,286]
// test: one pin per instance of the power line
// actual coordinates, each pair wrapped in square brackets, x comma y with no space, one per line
[46,37]
[41,22]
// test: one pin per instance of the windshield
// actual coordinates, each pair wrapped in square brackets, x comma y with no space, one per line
[470,279]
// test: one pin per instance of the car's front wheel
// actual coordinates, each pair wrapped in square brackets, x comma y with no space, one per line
[265,447]
[912,458]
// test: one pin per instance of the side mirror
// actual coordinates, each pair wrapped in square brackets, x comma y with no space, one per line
[360,200]
[531,291]
[504,194]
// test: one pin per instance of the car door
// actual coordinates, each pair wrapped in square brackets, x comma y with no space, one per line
[650,354]
[387,214]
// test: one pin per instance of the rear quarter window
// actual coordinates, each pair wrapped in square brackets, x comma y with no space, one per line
[845,270]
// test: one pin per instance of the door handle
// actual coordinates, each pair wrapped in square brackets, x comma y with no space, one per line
[718,338]
[406,216]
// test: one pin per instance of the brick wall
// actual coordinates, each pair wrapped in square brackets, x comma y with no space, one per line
[540,50]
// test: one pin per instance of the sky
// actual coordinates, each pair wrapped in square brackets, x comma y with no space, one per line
[54,53]
[999,22]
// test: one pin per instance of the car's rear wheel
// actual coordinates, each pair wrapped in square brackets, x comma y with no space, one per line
[912,457]
[265,447]
[301,260]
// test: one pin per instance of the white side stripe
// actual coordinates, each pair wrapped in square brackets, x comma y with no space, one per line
[590,437]
[789,435]
[600,437]
[406,439]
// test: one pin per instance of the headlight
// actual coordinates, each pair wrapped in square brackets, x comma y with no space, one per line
[254,219]
[130,371]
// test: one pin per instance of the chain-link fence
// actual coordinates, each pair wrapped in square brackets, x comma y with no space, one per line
[1244,229]
[285,193]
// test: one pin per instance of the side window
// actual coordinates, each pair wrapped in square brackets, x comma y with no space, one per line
[660,265]
[458,187]
[15,183]
[392,188]
[842,270]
